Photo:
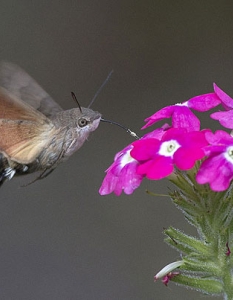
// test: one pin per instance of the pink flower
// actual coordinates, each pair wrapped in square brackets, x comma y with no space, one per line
[217,169]
[160,151]
[178,147]
[182,116]
[121,175]
[224,117]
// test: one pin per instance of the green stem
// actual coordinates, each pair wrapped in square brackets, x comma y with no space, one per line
[207,261]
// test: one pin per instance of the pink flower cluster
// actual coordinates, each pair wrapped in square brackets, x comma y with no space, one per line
[179,146]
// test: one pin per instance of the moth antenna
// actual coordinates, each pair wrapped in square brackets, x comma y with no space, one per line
[133,134]
[76,100]
[100,88]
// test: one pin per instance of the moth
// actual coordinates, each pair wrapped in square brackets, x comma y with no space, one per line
[36,134]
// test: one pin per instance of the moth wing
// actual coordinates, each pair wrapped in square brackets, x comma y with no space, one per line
[24,131]
[24,87]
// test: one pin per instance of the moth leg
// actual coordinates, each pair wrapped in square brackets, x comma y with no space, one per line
[42,175]
[47,171]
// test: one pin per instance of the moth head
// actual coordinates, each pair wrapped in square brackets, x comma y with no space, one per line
[80,124]
[87,119]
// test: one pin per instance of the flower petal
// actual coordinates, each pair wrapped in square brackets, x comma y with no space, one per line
[156,169]
[204,102]
[217,172]
[227,101]
[145,149]
[163,113]
[224,117]
[184,118]
[185,159]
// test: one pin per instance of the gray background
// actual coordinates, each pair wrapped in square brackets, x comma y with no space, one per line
[58,238]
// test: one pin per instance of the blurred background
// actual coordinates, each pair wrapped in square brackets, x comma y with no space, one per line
[59,239]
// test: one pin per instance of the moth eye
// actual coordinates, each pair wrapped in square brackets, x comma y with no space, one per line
[82,122]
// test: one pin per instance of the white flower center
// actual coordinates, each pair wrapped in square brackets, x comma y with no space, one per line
[169,148]
[126,158]
[229,154]
[182,104]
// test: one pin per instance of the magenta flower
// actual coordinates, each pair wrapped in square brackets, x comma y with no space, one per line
[217,169]
[182,116]
[224,117]
[177,147]
[121,175]
[160,151]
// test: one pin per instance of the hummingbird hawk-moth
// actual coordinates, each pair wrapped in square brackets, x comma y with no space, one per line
[36,134]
